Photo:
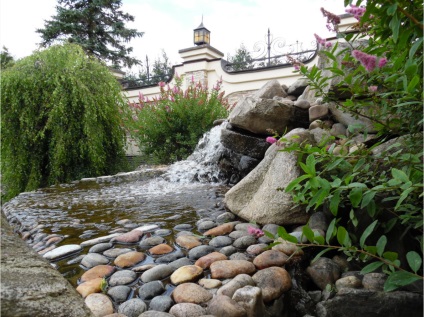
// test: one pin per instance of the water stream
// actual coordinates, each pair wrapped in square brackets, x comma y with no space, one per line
[166,196]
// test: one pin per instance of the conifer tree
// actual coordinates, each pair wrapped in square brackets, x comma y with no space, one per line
[98,26]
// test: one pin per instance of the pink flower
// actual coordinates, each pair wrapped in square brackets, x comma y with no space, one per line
[328,44]
[321,41]
[271,139]
[369,61]
[357,12]
[372,88]
[257,233]
[140,96]
[382,62]
[296,67]
[161,84]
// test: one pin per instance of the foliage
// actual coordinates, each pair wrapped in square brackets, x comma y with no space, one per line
[97,26]
[60,120]
[371,195]
[161,71]
[168,128]
[6,60]
[242,59]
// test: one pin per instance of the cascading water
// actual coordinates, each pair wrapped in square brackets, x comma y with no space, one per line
[202,164]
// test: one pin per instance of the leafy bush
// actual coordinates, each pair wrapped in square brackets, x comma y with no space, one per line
[60,120]
[370,195]
[168,128]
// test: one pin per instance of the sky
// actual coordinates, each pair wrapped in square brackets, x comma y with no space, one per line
[168,24]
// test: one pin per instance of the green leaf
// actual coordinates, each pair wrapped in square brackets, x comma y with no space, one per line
[400,175]
[411,70]
[308,233]
[319,239]
[392,9]
[403,196]
[282,233]
[334,202]
[371,267]
[394,25]
[359,164]
[414,81]
[367,198]
[269,234]
[414,260]
[310,162]
[353,218]
[343,237]
[367,233]
[295,182]
[414,47]
[334,164]
[355,196]
[381,244]
[371,208]
[399,279]
[331,231]
[391,256]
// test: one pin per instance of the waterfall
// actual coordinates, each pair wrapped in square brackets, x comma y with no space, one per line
[202,164]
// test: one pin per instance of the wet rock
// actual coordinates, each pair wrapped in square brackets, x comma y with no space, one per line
[183,226]
[129,259]
[318,112]
[119,293]
[342,262]
[133,307]
[191,293]
[62,251]
[274,281]
[143,268]
[179,263]
[239,256]
[130,237]
[205,261]
[76,260]
[97,271]
[318,220]
[161,303]
[239,281]
[151,242]
[113,253]
[170,257]
[186,274]
[287,247]
[159,272]
[324,272]
[220,230]
[374,281]
[256,249]
[228,250]
[250,298]
[94,259]
[90,287]
[54,240]
[150,290]
[224,306]
[231,268]
[206,225]
[238,234]
[100,247]
[187,310]
[244,242]
[197,252]
[99,240]
[270,258]
[210,283]
[184,233]
[188,242]
[163,232]
[155,313]
[348,282]
[99,304]
[225,217]
[122,277]
[220,241]
[161,249]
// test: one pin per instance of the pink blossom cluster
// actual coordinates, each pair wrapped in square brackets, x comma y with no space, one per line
[271,140]
[332,19]
[356,11]
[369,61]
[321,41]
[372,88]
[257,233]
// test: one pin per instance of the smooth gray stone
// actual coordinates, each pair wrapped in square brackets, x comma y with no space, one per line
[158,272]
[99,248]
[170,257]
[161,303]
[150,290]
[119,293]
[202,250]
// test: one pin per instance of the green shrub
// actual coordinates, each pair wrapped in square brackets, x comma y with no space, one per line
[168,128]
[60,120]
[371,196]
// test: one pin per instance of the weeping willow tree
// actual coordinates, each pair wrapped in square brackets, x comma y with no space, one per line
[60,120]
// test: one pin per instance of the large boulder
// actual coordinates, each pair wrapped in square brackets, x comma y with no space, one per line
[256,198]
[260,115]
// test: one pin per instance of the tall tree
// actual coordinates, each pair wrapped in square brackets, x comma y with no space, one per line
[6,59]
[96,25]
[241,60]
